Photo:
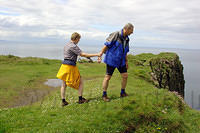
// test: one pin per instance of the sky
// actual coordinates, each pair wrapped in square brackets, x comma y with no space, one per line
[157,23]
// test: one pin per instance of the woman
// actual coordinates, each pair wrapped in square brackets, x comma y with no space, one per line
[69,72]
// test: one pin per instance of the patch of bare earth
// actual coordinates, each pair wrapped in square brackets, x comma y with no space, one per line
[29,96]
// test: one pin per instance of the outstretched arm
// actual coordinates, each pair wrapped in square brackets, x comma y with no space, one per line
[103,50]
[101,53]
[89,55]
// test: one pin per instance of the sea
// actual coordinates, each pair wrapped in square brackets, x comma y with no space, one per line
[189,58]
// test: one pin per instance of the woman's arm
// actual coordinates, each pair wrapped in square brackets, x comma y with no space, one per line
[89,55]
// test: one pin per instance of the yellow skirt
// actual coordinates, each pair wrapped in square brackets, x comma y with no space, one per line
[70,74]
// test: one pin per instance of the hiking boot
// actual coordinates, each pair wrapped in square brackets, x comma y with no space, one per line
[83,100]
[105,99]
[64,103]
[123,94]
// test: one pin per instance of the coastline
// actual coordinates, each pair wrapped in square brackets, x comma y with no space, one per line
[188,57]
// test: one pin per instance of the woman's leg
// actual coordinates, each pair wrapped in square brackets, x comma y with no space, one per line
[80,90]
[62,90]
[80,93]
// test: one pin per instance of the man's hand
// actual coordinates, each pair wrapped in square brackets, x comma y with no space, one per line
[99,59]
[127,65]
[101,53]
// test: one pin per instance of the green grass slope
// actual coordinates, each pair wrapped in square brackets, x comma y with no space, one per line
[146,109]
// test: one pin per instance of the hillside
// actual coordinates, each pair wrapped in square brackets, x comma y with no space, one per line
[147,109]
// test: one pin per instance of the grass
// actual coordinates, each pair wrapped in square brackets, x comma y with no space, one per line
[23,74]
[146,109]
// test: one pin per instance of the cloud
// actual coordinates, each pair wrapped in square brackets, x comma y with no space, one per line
[155,21]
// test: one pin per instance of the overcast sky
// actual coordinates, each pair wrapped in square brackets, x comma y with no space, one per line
[158,23]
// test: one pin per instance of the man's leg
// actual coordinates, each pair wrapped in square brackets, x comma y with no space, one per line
[124,75]
[124,80]
[109,72]
[62,91]
[106,82]
[123,84]
[105,86]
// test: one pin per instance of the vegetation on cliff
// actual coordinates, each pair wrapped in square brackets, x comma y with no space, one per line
[164,70]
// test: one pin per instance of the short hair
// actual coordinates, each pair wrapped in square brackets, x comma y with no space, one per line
[128,26]
[75,36]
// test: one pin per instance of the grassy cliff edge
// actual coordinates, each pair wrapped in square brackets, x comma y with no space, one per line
[147,109]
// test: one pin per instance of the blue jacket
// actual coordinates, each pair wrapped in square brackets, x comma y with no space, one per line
[118,47]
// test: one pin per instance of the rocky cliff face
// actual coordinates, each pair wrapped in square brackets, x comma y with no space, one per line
[167,72]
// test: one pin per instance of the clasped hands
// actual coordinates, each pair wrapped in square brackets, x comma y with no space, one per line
[99,57]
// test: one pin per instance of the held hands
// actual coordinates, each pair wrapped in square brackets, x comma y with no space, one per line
[101,53]
[99,57]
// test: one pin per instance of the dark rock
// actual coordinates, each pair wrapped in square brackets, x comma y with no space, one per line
[167,72]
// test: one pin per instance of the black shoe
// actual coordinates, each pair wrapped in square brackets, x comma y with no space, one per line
[83,100]
[64,103]
[123,94]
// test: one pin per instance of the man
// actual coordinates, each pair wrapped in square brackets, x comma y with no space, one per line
[116,48]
